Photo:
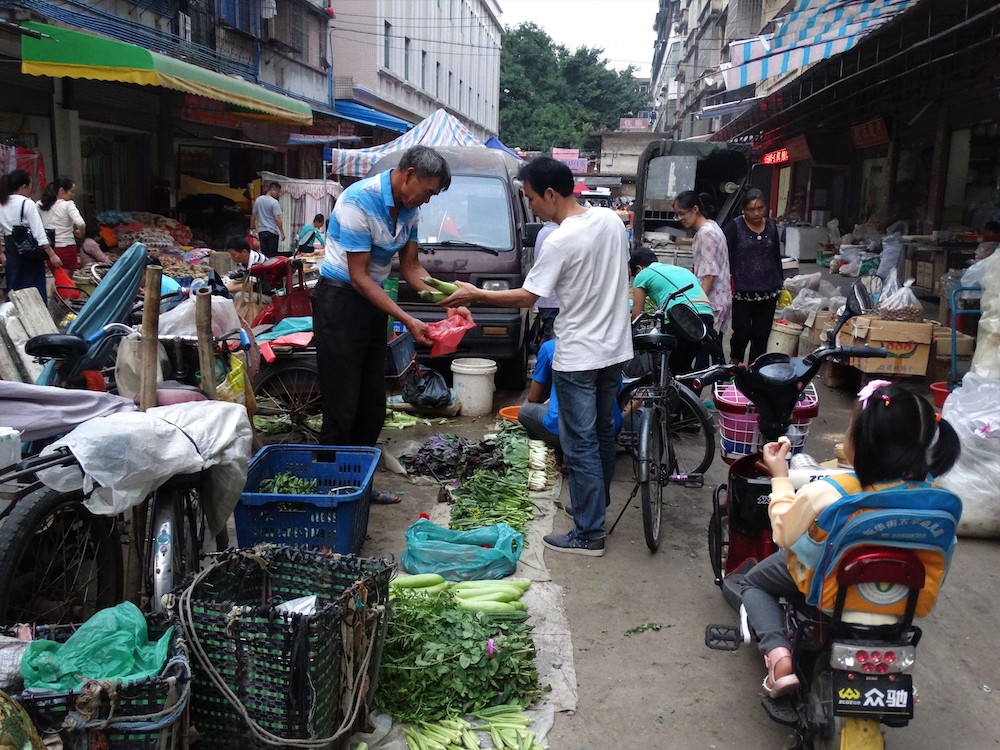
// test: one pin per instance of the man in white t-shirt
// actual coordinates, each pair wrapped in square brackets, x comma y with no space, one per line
[586,264]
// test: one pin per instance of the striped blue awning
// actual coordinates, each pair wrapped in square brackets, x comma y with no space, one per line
[814,30]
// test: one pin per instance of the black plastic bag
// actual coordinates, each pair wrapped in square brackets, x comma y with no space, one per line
[429,390]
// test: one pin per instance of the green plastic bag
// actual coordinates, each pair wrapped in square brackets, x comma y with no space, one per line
[112,645]
[474,555]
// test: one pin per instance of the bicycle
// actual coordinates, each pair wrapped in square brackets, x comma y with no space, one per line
[674,441]
[60,563]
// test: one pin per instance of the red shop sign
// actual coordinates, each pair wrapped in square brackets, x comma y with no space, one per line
[871,133]
[773,158]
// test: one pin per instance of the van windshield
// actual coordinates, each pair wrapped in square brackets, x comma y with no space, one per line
[473,210]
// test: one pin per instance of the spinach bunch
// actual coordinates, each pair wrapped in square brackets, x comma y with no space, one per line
[441,660]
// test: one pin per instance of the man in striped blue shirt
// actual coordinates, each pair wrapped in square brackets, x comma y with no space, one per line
[373,220]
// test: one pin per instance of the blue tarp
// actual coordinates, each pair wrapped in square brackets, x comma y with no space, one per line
[494,142]
[367,116]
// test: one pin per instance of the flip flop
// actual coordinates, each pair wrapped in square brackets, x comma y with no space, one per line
[385,497]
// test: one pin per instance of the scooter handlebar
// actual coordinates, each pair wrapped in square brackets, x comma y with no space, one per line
[862,351]
[712,375]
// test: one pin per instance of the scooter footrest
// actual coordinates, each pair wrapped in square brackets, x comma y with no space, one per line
[723,637]
[691,481]
[780,710]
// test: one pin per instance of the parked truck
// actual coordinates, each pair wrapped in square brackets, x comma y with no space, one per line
[667,168]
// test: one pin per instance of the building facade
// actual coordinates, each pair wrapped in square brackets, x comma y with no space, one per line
[411,57]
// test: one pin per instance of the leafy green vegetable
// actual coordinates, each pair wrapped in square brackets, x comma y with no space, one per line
[288,484]
[443,661]
[644,628]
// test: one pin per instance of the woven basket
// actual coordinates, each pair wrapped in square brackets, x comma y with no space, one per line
[149,714]
[286,671]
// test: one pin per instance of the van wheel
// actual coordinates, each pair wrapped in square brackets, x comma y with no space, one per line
[512,373]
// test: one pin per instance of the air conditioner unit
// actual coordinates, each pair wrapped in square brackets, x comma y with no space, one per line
[184,26]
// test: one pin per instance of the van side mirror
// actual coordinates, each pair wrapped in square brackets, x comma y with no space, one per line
[531,230]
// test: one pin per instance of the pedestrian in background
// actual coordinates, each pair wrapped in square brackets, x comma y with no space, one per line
[586,263]
[755,263]
[62,221]
[17,209]
[310,234]
[711,254]
[265,220]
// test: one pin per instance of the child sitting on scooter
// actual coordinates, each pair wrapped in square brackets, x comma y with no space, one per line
[893,437]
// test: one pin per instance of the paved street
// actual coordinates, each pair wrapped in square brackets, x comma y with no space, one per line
[664,689]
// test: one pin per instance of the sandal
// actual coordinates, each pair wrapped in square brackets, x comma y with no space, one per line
[775,687]
[385,497]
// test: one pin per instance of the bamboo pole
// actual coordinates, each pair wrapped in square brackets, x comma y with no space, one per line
[150,338]
[203,327]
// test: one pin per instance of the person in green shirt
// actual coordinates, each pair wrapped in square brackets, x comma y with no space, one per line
[652,283]
[311,234]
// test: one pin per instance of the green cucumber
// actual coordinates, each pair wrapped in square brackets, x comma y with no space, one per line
[488,596]
[418,581]
[437,588]
[482,605]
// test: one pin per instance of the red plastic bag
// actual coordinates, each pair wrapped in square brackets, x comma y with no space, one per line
[65,288]
[447,334]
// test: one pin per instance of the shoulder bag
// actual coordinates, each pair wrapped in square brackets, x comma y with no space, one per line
[24,241]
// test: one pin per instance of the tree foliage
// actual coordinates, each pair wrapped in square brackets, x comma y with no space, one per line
[550,96]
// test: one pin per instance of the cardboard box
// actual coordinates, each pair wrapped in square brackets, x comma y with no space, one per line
[817,324]
[908,344]
[964,343]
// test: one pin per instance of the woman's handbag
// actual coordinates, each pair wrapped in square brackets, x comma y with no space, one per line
[24,241]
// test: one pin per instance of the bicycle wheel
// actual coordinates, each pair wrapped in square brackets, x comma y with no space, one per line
[177,537]
[59,563]
[651,454]
[692,434]
[289,402]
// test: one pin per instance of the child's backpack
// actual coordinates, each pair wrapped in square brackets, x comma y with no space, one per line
[916,516]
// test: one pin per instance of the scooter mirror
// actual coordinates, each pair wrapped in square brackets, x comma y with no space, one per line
[860,300]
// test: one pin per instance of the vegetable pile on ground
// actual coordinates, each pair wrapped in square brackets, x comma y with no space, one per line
[497,496]
[448,456]
[442,661]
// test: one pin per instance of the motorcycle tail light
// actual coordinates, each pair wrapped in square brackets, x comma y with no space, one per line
[871,658]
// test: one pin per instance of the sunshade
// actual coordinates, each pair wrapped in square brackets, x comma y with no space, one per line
[111,302]
[440,129]
[62,53]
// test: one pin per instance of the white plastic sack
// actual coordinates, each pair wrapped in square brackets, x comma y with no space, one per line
[126,456]
[806,301]
[974,411]
[892,250]
[986,358]
[180,321]
[803,281]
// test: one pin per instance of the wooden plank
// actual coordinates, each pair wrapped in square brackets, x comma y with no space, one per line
[30,309]
[10,361]
[19,337]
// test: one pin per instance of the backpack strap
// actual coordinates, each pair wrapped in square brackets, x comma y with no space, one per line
[845,484]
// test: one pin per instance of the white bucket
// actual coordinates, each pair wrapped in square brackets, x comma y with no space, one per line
[474,385]
[784,338]
[10,446]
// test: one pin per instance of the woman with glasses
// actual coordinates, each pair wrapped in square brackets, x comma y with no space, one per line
[755,261]
[711,254]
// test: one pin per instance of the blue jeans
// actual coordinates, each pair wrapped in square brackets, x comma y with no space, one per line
[587,435]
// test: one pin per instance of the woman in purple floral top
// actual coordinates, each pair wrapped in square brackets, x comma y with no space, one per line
[755,259]
[711,254]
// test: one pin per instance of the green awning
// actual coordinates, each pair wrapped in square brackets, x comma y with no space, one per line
[62,53]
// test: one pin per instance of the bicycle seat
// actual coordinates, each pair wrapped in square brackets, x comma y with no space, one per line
[654,340]
[56,346]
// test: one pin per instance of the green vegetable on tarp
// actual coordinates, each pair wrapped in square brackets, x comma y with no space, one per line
[112,645]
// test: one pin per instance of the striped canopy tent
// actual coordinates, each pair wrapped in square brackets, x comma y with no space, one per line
[440,129]
[814,30]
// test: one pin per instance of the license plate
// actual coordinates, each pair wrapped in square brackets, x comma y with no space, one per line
[872,695]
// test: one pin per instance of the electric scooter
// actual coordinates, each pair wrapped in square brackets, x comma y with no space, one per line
[853,669]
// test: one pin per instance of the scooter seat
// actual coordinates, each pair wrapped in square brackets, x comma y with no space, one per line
[56,346]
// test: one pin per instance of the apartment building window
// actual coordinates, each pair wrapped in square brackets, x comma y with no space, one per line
[469,100]
[437,80]
[406,58]
[461,92]
[235,13]
[385,45]
[450,88]
[291,26]
[423,69]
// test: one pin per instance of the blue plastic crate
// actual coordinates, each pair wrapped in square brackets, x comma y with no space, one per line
[338,522]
